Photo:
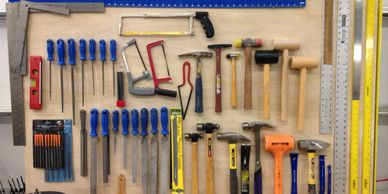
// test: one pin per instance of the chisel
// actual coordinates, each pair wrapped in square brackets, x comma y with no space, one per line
[82,56]
[50,52]
[135,132]
[92,57]
[93,150]
[105,144]
[61,63]
[154,150]
[113,58]
[102,59]
[84,152]
[115,129]
[164,164]
[144,149]
[125,132]
[71,61]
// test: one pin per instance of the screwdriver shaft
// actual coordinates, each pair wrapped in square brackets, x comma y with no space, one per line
[103,77]
[83,83]
[72,93]
[50,79]
[94,91]
[61,71]
[113,78]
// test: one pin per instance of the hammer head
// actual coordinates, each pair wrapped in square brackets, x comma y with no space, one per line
[219,46]
[232,137]
[233,55]
[194,137]
[248,42]
[291,45]
[266,57]
[304,62]
[197,54]
[312,145]
[278,143]
[256,125]
[208,127]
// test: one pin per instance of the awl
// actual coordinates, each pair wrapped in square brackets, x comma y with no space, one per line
[82,57]
[144,149]
[72,63]
[50,58]
[135,132]
[154,150]
[93,150]
[61,63]
[105,144]
[125,132]
[113,58]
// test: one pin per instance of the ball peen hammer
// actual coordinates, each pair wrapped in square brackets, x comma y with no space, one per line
[194,137]
[285,46]
[248,43]
[233,57]
[303,63]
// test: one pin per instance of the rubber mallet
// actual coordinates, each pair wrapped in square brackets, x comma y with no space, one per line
[303,63]
[194,137]
[285,46]
[233,57]
[266,58]
[248,43]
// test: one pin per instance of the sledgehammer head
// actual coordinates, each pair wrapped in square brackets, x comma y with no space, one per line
[232,137]
[312,145]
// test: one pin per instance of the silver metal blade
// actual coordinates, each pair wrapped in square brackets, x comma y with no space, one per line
[115,143]
[144,160]
[154,164]
[93,165]
[164,165]
[105,162]
[125,151]
[175,151]
[134,159]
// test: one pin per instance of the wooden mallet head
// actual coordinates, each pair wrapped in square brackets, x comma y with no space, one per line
[304,62]
[291,45]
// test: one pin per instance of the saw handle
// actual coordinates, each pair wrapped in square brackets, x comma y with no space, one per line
[105,122]
[115,120]
[125,121]
[207,25]
[233,169]
[71,51]
[82,49]
[135,122]
[93,122]
[311,181]
[102,50]
[164,120]
[154,121]
[113,50]
[165,92]
[294,173]
[198,94]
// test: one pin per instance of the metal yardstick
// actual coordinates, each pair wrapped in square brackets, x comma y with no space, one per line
[125,132]
[144,149]
[135,132]
[164,164]
[50,58]
[82,56]
[102,59]
[115,129]
[92,57]
[93,150]
[61,63]
[154,150]
[72,63]
[105,144]
[113,58]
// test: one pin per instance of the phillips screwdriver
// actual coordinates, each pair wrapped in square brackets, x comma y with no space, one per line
[50,52]
[115,129]
[135,132]
[102,59]
[82,51]
[61,63]
[105,144]
[92,57]
[71,61]
[144,148]
[125,132]
[113,58]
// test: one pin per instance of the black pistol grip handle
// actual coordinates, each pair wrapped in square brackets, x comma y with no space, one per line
[165,92]
[207,25]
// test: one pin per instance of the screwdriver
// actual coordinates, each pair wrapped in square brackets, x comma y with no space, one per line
[93,150]
[50,52]
[115,129]
[71,58]
[113,58]
[61,63]
[105,142]
[125,132]
[144,148]
[102,59]
[82,51]
[135,142]
[92,57]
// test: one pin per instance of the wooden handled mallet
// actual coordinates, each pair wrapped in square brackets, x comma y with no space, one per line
[303,63]
[194,137]
[233,57]
[266,58]
[285,46]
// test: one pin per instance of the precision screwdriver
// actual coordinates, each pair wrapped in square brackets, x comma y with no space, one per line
[61,63]
[82,51]
[92,57]
[50,52]
[102,59]
[113,58]
[71,61]
[115,129]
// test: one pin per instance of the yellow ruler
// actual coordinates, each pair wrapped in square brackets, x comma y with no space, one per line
[177,181]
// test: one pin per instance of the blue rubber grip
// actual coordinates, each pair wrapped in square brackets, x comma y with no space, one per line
[50,50]
[115,120]
[102,50]
[135,122]
[144,121]
[198,95]
[125,121]
[328,179]
[164,120]
[322,172]
[112,47]
[82,49]
[294,173]
[258,182]
[93,122]
[105,122]
[92,50]
[71,51]
[154,121]
[61,52]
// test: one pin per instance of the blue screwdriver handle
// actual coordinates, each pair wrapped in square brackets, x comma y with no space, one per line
[115,120]
[50,50]
[125,121]
[322,172]
[294,171]
[82,49]
[92,50]
[93,122]
[112,47]
[71,51]
[135,122]
[144,121]
[61,52]
[154,121]
[102,50]
[164,120]
[105,122]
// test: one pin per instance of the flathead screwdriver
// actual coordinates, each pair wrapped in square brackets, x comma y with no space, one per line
[82,51]
[115,129]
[50,58]
[71,61]
[113,58]
[92,57]
[102,59]
[61,63]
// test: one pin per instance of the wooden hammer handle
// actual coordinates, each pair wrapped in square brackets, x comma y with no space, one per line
[218,88]
[248,79]
[234,88]
[266,105]
[284,86]
[209,165]
[302,93]
[121,189]
[194,169]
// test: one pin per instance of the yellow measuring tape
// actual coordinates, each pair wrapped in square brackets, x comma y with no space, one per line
[177,181]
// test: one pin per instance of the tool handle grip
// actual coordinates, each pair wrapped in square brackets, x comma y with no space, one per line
[233,181]
[120,89]
[322,172]
[245,155]
[248,79]
[218,88]
[311,166]
[328,179]
[144,121]
[165,92]
[113,50]
[102,50]
[93,122]
[50,50]
[82,49]
[198,95]
[154,121]
[294,171]
[115,120]
[135,122]
[207,25]
[71,51]
[105,122]
[92,49]
[164,120]
[125,121]
[258,182]
[233,168]
[278,188]
[61,52]
[83,119]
